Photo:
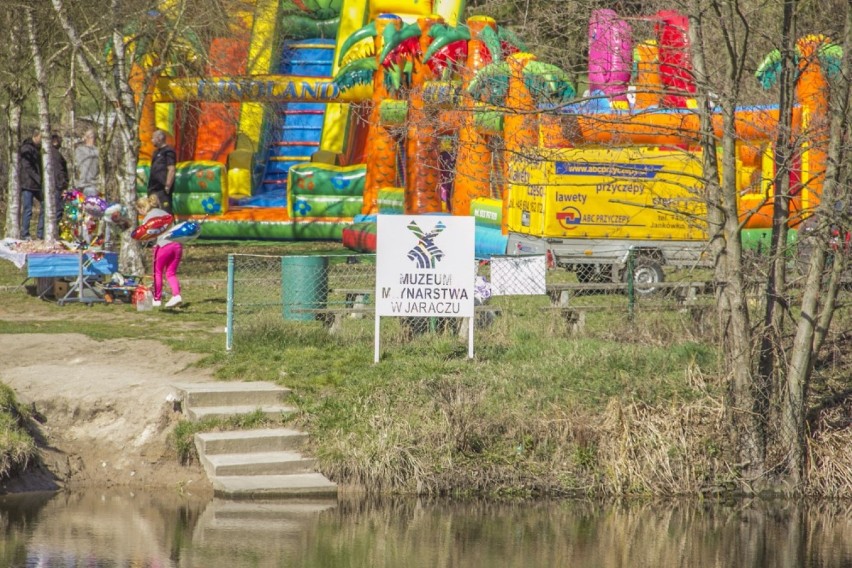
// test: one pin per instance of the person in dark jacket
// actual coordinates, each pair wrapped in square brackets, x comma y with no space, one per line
[30,183]
[161,180]
[60,172]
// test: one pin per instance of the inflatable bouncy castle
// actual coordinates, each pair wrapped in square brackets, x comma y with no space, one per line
[313,117]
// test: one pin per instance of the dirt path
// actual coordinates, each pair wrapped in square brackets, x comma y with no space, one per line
[106,409]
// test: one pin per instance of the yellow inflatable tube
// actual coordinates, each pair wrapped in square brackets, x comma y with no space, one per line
[256,88]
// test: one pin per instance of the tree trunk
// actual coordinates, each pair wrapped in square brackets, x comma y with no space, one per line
[131,260]
[48,188]
[16,95]
[807,335]
[724,231]
[13,190]
[71,117]
[776,286]
[113,83]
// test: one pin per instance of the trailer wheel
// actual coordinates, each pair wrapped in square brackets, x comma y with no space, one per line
[646,273]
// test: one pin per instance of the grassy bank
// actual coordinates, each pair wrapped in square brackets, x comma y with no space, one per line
[625,407]
[17,446]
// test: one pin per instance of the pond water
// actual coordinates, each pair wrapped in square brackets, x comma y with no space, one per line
[145,530]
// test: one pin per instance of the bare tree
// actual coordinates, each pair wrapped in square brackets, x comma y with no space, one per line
[818,300]
[48,201]
[112,80]
[768,369]
[15,93]
[723,219]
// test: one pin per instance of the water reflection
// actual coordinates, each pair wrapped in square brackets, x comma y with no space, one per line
[140,530]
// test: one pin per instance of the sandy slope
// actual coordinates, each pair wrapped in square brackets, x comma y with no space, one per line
[105,407]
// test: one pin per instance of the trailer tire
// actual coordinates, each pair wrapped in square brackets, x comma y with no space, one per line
[646,273]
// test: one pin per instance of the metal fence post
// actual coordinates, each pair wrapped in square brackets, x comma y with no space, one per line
[229,325]
[631,290]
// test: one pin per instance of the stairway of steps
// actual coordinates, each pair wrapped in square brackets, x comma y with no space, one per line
[251,464]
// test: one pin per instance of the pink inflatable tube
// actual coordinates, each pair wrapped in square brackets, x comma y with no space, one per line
[610,54]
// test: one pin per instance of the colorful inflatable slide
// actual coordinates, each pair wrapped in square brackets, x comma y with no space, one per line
[332,111]
[287,160]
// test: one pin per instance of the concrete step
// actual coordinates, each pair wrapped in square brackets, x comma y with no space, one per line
[271,411]
[258,393]
[249,441]
[260,463]
[273,486]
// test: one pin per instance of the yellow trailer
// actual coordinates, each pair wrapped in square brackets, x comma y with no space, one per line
[590,208]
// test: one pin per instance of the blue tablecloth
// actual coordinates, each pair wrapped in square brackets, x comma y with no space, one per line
[59,265]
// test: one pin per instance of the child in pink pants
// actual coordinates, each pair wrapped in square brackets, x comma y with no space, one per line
[166,262]
[167,255]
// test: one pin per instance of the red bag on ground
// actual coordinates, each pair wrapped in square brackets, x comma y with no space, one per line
[142,298]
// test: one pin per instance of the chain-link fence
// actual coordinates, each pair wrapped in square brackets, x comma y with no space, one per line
[337,291]
[264,291]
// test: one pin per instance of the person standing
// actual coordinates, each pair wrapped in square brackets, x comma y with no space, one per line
[162,178]
[30,182]
[167,254]
[60,172]
[86,161]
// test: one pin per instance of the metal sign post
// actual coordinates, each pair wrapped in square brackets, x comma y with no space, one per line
[424,268]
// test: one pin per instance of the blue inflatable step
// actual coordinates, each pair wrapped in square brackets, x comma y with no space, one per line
[272,198]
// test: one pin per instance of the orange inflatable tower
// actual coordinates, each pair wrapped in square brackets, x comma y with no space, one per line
[473,162]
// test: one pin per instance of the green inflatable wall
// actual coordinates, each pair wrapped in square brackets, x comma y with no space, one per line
[325,206]
[325,179]
[391,201]
[200,188]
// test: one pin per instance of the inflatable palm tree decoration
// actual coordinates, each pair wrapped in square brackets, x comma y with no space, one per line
[399,48]
[303,19]
[817,60]
[357,59]
[449,47]
[384,65]
[544,81]
[829,56]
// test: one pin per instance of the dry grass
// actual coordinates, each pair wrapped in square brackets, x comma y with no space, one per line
[829,459]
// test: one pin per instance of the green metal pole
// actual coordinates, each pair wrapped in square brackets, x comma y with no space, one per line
[631,291]
[229,325]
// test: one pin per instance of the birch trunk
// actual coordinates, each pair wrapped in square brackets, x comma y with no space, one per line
[48,188]
[746,426]
[807,334]
[776,286]
[113,83]
[13,190]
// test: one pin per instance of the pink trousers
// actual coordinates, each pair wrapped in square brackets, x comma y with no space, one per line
[167,261]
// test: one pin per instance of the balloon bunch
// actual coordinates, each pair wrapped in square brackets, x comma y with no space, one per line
[81,219]
[72,215]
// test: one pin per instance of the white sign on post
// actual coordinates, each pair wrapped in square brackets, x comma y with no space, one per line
[424,268]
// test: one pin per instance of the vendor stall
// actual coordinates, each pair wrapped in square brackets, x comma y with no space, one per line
[83,267]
